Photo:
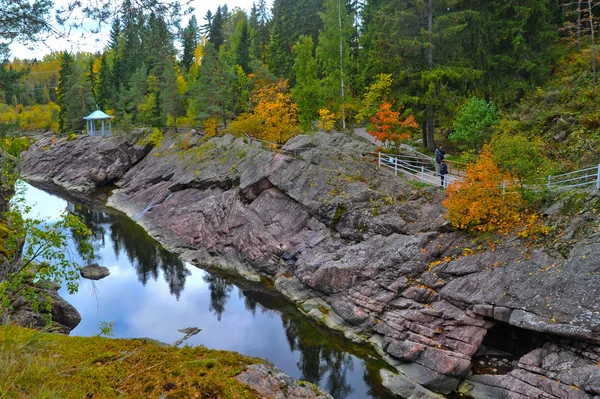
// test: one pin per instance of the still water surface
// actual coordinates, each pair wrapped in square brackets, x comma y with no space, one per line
[152,293]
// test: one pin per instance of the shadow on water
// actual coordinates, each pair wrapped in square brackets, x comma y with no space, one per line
[320,355]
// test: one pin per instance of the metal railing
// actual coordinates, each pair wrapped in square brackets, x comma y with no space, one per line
[422,168]
[578,178]
[420,173]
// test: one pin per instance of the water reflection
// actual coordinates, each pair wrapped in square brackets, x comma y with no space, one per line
[234,314]
[146,255]
[220,289]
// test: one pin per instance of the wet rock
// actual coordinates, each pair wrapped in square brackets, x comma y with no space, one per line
[270,382]
[94,272]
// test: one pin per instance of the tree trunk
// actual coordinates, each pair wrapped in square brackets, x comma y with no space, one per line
[341,63]
[579,26]
[430,116]
[430,138]
[593,47]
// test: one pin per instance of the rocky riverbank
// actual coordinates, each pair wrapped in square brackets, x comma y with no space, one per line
[366,253]
[20,311]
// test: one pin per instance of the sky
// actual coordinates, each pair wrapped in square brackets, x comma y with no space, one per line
[84,41]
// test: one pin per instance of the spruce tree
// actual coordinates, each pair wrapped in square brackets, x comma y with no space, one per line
[104,87]
[191,36]
[291,19]
[67,64]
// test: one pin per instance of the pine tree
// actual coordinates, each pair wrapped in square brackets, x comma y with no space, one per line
[66,69]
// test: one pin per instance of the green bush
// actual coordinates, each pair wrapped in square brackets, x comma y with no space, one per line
[156,138]
[473,124]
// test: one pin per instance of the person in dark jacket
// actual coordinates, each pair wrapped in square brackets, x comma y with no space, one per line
[443,173]
[439,156]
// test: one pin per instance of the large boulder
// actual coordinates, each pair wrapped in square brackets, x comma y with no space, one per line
[62,315]
[270,382]
[94,272]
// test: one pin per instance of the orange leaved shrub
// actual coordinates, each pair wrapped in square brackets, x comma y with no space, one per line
[487,200]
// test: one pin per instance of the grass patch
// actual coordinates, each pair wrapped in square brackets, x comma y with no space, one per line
[42,365]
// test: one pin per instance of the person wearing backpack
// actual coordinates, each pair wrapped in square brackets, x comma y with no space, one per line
[439,157]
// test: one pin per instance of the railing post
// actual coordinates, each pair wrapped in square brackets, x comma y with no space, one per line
[395,166]
[504,187]
[549,183]
[379,160]
[598,179]
[422,173]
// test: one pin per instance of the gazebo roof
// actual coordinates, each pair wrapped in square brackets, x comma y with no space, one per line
[97,115]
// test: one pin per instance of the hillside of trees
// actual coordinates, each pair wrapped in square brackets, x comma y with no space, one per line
[455,71]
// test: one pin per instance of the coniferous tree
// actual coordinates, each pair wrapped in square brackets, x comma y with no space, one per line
[259,31]
[211,92]
[215,29]
[171,100]
[92,77]
[291,19]
[103,91]
[78,100]
[67,64]
[191,36]
[242,45]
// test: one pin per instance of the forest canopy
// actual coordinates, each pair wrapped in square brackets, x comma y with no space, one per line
[154,71]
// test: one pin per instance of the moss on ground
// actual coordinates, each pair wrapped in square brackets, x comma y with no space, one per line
[37,364]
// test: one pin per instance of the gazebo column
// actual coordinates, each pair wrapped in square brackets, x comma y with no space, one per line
[103,127]
[110,126]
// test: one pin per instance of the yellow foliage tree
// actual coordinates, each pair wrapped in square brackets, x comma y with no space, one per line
[483,202]
[276,111]
[274,117]
[326,119]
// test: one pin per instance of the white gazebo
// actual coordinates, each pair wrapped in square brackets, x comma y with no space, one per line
[90,122]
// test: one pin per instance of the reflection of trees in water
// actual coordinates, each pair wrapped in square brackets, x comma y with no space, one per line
[325,357]
[145,254]
[220,289]
[319,358]
[95,221]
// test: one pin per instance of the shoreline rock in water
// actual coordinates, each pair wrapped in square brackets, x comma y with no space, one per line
[371,255]
[94,272]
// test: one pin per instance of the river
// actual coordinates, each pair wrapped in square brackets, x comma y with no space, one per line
[152,293]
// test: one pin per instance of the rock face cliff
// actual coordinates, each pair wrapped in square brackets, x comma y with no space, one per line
[366,253]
